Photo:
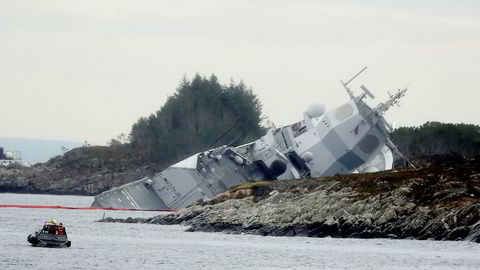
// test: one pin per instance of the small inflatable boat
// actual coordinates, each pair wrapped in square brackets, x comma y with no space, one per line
[52,234]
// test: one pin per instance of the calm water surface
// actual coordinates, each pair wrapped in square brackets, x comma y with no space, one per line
[144,246]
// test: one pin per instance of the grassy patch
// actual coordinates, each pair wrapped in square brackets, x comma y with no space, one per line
[250,185]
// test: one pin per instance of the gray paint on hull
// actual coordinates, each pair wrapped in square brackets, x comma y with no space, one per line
[350,160]
[337,142]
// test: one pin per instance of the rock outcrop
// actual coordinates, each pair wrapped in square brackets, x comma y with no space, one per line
[441,202]
[81,171]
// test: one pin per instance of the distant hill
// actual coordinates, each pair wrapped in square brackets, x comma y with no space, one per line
[37,150]
[201,114]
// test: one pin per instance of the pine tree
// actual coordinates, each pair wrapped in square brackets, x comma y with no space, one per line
[195,115]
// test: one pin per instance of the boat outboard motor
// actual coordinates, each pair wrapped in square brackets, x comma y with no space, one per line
[1,153]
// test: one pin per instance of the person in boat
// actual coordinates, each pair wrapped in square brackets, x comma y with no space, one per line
[53,234]
[61,229]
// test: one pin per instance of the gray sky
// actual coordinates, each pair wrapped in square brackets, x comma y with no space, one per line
[87,70]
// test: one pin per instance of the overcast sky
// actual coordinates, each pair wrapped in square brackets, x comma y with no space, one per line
[87,70]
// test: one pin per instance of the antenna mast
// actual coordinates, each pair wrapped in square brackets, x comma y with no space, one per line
[345,84]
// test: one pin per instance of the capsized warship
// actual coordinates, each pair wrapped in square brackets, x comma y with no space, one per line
[351,138]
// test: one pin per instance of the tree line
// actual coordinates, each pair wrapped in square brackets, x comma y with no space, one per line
[438,138]
[193,118]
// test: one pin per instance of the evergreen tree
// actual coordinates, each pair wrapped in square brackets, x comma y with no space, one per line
[195,115]
[438,138]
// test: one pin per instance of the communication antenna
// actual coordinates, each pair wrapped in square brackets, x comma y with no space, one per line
[345,84]
[237,137]
[223,135]
[367,92]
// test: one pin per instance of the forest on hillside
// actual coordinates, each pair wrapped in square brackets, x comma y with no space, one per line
[195,117]
[438,138]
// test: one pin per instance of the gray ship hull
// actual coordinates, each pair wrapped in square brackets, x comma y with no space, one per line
[348,139]
[199,177]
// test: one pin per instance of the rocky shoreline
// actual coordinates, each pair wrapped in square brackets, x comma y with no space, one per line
[440,202]
[81,171]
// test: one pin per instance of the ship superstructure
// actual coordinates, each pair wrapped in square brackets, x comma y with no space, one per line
[350,138]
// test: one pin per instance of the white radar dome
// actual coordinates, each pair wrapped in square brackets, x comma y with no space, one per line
[315,109]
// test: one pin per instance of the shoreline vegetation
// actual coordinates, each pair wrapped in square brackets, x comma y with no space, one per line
[440,201]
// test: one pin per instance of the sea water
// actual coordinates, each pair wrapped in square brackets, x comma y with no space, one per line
[146,246]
